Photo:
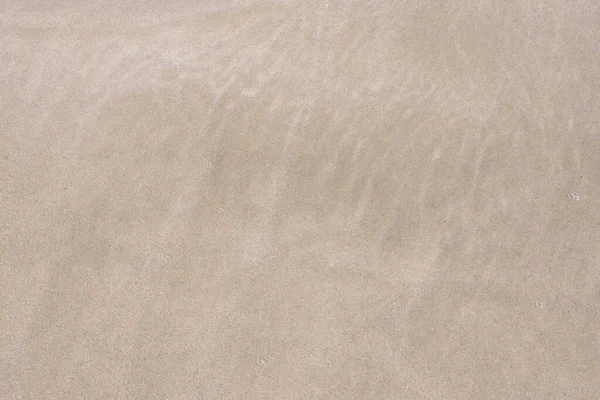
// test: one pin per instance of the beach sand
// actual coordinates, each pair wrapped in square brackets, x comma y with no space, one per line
[300,199]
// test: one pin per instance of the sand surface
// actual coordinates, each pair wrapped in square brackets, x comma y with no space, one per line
[300,199]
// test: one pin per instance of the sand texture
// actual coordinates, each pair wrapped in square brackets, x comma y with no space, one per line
[299,199]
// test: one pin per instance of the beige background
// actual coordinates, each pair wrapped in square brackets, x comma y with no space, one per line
[300,199]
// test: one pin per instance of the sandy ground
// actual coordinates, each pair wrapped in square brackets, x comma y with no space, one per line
[300,199]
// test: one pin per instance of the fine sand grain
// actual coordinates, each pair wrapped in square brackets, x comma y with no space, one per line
[247,199]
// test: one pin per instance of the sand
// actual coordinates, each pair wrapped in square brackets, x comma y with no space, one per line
[300,199]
